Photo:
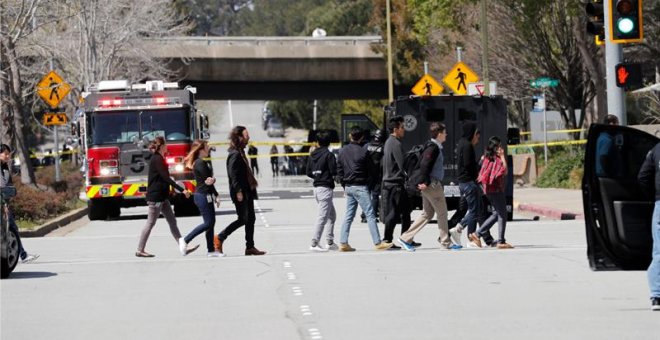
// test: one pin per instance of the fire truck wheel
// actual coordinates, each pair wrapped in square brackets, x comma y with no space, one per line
[114,209]
[97,210]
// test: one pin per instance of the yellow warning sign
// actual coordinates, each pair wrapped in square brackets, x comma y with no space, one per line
[458,77]
[52,89]
[55,118]
[427,86]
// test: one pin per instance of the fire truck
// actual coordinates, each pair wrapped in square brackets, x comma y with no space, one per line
[115,124]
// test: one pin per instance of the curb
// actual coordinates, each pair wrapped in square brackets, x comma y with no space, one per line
[550,212]
[55,223]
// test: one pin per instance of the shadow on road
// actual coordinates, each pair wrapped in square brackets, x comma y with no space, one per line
[30,275]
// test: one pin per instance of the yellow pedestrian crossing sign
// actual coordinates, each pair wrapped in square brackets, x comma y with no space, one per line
[427,86]
[52,89]
[458,77]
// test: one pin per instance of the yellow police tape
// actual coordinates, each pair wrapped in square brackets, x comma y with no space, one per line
[524,133]
[564,142]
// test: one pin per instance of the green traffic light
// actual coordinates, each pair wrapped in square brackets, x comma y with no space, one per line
[625,25]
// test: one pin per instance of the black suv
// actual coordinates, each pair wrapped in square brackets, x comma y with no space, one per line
[617,212]
[9,251]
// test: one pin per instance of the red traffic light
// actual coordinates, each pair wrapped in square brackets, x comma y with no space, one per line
[629,75]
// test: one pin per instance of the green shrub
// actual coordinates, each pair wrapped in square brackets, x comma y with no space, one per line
[564,170]
[50,198]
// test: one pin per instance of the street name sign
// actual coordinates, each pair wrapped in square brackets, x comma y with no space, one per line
[544,82]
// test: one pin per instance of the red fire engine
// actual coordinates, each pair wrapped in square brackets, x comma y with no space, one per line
[115,125]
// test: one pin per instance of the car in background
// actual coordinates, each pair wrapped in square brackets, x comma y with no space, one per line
[617,211]
[275,128]
[266,115]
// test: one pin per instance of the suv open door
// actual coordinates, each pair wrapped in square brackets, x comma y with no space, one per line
[617,213]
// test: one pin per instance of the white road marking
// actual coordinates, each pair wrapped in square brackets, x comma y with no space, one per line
[297,291]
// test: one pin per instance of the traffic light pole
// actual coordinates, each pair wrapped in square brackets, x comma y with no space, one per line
[616,104]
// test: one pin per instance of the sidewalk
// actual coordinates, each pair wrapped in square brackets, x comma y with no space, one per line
[561,204]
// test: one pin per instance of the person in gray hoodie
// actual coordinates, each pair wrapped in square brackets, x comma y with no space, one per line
[322,168]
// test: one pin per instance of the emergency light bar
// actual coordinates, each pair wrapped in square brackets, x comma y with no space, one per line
[149,101]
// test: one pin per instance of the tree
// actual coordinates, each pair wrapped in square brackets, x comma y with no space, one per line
[87,41]
[17,25]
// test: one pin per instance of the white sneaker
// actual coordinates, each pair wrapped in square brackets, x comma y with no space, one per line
[182,246]
[215,254]
[333,246]
[30,258]
[318,248]
[455,234]
[471,244]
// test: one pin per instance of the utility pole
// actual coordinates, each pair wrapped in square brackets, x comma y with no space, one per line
[390,84]
[484,47]
[616,104]
[57,143]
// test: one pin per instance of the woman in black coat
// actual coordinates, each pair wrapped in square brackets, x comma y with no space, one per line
[242,189]
[158,191]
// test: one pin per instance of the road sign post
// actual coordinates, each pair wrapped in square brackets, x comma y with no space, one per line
[52,89]
[544,83]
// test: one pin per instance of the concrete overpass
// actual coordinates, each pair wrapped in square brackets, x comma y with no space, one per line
[278,67]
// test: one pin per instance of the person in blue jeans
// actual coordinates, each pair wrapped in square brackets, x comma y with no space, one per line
[205,194]
[467,176]
[649,172]
[5,180]
[353,172]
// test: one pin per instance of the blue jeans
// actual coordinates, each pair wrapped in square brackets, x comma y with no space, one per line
[359,194]
[12,225]
[471,192]
[208,215]
[654,268]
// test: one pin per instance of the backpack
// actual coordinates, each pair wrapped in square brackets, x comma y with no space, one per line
[411,162]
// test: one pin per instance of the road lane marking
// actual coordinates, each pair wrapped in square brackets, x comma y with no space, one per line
[261,214]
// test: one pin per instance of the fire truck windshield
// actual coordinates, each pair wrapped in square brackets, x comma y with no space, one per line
[118,127]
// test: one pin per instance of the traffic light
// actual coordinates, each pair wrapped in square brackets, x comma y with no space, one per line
[629,75]
[626,21]
[596,23]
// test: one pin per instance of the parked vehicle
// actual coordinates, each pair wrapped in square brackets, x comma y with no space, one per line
[275,128]
[9,251]
[116,122]
[617,212]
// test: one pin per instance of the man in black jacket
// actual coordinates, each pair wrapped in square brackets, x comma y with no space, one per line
[396,204]
[648,174]
[242,189]
[322,167]
[353,173]
[467,177]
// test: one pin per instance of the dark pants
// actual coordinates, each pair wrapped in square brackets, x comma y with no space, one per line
[207,210]
[481,216]
[396,209]
[498,201]
[471,192]
[273,167]
[255,166]
[245,212]
[12,225]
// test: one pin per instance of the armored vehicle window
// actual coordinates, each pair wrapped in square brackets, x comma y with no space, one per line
[435,115]
[464,114]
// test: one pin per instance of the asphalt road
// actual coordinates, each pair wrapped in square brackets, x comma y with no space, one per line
[88,285]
